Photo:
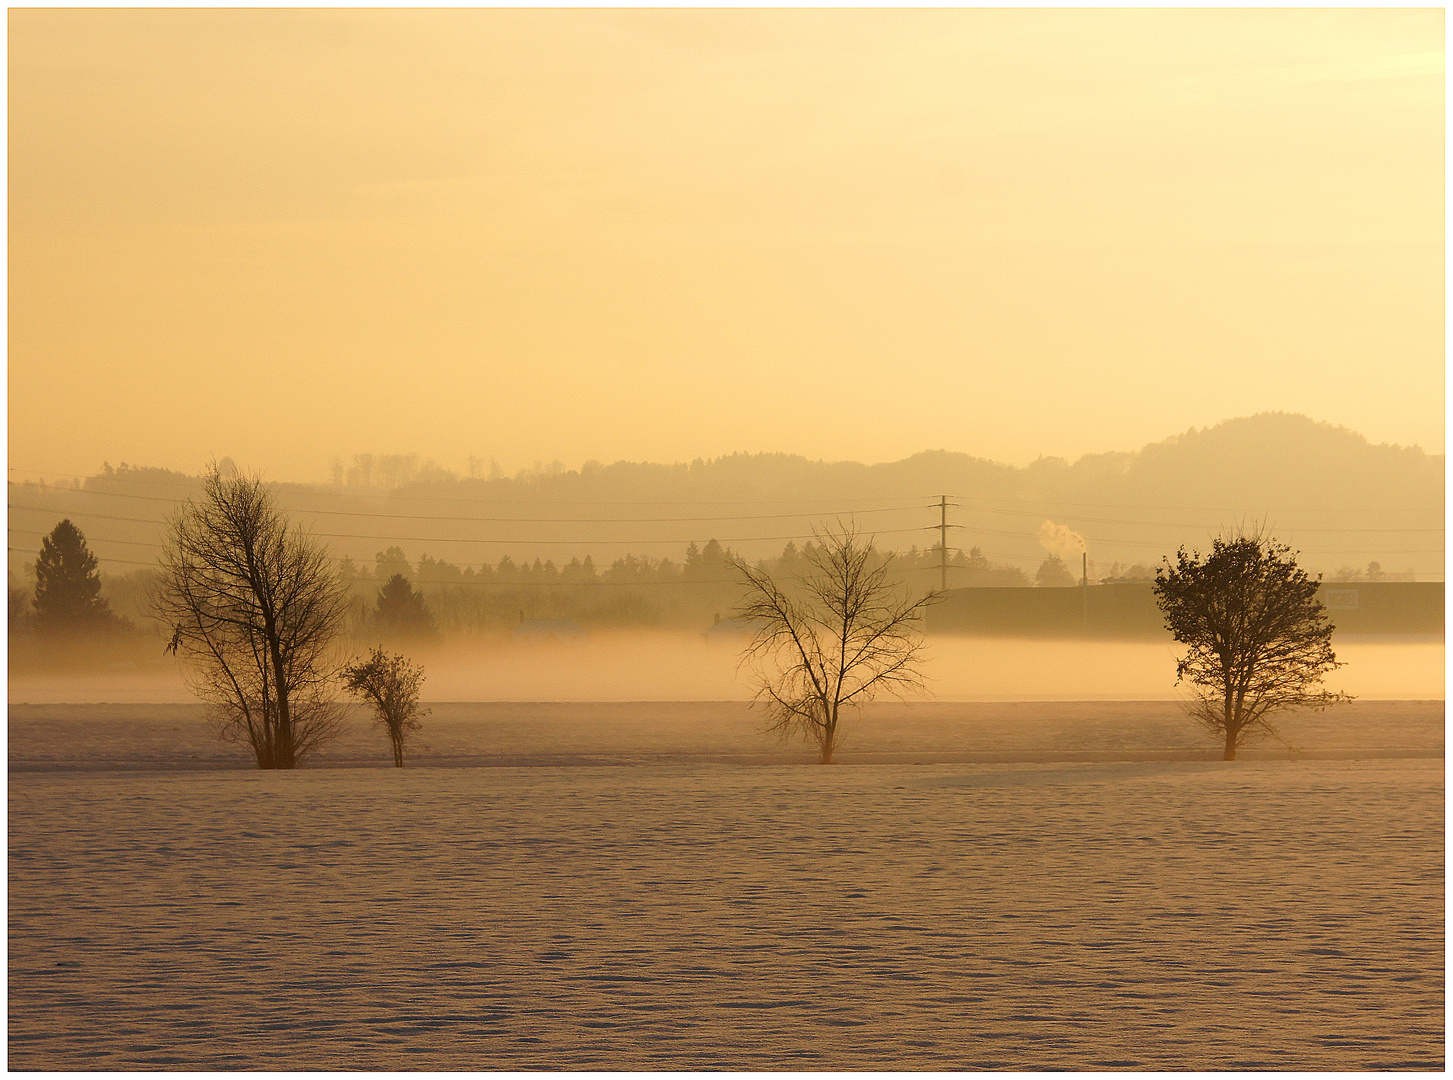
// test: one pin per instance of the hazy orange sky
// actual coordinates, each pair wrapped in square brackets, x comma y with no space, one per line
[284,235]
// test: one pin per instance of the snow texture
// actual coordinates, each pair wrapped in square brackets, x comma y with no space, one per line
[1126,909]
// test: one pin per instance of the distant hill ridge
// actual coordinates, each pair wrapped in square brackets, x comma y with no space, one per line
[1268,461]
[1340,499]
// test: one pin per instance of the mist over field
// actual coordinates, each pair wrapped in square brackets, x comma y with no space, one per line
[659,667]
[664,666]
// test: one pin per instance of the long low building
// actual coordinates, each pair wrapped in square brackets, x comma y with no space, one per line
[1127,610]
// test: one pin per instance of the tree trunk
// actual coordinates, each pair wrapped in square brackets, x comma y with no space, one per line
[829,733]
[265,744]
[1230,714]
[282,740]
[285,756]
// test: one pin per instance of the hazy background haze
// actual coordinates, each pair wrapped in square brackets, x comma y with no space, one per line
[530,235]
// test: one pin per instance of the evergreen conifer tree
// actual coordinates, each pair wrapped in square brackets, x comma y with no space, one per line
[399,611]
[68,585]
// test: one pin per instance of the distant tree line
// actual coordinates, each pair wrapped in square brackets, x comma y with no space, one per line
[399,600]
[426,600]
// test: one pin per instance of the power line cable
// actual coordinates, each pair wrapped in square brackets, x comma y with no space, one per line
[537,542]
[527,520]
[380,493]
[1062,502]
[155,546]
[1098,541]
[308,489]
[751,517]
[518,542]
[1173,524]
[468,583]
[1020,557]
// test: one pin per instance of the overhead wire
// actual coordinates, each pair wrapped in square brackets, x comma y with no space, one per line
[915,500]
[392,496]
[1019,557]
[724,518]
[479,582]
[975,506]
[540,542]
[518,541]
[536,541]
[534,520]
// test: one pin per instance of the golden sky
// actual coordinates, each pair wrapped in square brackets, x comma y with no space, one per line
[284,235]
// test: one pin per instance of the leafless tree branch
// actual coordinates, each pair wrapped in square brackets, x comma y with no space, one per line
[254,608]
[830,640]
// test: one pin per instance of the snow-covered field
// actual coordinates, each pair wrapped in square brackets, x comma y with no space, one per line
[138,736]
[1021,886]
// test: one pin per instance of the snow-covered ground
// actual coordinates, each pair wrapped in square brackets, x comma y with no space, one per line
[135,736]
[1055,885]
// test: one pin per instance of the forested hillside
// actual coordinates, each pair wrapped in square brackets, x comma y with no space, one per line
[1351,507]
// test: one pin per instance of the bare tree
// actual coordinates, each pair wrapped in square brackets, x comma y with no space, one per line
[1258,640]
[391,684]
[832,639]
[253,606]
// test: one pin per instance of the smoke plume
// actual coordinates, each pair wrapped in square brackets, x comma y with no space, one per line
[1058,540]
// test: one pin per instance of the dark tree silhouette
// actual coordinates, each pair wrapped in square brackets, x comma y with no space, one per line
[1258,640]
[68,586]
[399,612]
[1053,573]
[831,639]
[253,606]
[389,562]
[391,685]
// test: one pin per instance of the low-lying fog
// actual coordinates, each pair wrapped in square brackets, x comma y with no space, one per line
[659,666]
